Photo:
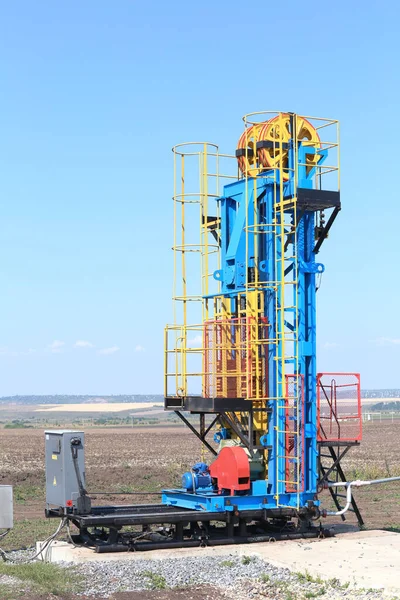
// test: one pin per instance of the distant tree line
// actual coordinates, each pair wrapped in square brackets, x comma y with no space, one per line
[388,393]
[385,407]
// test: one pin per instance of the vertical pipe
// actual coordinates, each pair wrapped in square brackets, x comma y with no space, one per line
[250,428]
[174,288]
[202,424]
[311,373]
[202,434]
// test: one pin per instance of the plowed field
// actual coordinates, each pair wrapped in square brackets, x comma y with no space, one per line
[148,459]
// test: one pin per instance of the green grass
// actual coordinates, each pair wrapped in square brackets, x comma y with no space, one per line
[246,560]
[227,563]
[7,592]
[283,588]
[395,528]
[147,486]
[27,532]
[17,424]
[306,576]
[39,577]
[25,493]
[155,581]
[372,471]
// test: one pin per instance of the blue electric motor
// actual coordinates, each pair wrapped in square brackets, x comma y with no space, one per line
[198,478]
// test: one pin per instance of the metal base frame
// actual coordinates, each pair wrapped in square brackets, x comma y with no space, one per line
[156,526]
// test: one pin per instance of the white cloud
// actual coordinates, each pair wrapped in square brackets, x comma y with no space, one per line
[83,344]
[331,345]
[111,350]
[29,352]
[386,341]
[197,341]
[139,348]
[56,346]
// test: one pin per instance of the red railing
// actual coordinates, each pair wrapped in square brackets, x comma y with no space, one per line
[339,407]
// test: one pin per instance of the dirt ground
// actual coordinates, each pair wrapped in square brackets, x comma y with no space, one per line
[142,459]
[192,593]
[186,594]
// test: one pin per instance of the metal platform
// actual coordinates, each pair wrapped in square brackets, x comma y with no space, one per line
[198,404]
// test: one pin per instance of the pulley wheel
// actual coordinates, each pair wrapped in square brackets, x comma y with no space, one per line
[278,131]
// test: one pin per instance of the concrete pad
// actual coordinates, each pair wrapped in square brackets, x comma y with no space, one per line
[65,552]
[367,559]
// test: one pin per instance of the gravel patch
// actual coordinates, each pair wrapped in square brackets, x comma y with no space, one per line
[237,577]
[246,576]
[20,556]
[109,577]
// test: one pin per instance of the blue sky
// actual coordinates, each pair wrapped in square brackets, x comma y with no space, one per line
[92,97]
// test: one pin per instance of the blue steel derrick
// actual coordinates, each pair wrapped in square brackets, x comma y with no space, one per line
[257,354]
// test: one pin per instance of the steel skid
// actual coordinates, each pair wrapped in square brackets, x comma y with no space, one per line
[243,344]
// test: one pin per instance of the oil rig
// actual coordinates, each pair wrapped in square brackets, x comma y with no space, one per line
[251,361]
[240,356]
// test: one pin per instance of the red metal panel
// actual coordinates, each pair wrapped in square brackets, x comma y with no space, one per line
[231,469]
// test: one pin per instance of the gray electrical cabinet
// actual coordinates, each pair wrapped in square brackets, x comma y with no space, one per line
[62,481]
[6,507]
